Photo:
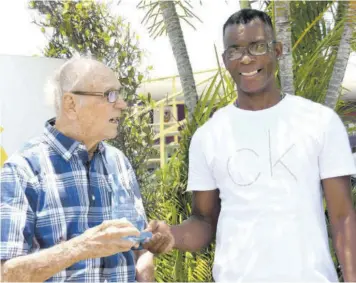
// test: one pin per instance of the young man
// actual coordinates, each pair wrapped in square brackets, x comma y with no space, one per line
[64,196]
[258,170]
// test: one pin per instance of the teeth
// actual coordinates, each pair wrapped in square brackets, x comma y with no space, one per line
[249,74]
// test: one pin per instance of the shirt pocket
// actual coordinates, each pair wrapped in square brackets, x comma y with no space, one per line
[122,200]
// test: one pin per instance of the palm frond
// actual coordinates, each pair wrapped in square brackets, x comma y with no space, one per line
[154,20]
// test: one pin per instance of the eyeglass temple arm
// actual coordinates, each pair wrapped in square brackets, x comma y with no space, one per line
[93,93]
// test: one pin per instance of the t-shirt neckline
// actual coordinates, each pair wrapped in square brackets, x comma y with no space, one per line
[265,111]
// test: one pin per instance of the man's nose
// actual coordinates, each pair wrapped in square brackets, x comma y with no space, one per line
[120,104]
[246,59]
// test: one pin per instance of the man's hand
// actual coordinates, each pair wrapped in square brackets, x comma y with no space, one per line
[107,239]
[103,240]
[194,233]
[162,239]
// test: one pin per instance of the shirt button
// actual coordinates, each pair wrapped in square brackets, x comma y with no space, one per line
[93,197]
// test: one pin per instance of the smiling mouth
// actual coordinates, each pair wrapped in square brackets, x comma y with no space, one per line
[114,120]
[251,73]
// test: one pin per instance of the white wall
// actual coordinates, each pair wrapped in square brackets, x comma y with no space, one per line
[23,106]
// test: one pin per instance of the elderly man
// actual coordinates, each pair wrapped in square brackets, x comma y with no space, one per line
[65,196]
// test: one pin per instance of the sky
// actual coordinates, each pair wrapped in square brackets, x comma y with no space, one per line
[21,37]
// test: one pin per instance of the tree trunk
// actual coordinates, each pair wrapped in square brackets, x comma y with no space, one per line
[342,58]
[283,33]
[245,4]
[180,53]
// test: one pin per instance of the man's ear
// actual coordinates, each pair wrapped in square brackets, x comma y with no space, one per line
[279,49]
[69,105]
[224,59]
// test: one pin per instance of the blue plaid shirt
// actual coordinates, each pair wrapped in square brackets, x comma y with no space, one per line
[51,192]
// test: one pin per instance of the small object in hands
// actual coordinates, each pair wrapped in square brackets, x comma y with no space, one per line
[144,236]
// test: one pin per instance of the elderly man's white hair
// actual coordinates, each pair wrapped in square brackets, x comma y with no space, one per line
[70,77]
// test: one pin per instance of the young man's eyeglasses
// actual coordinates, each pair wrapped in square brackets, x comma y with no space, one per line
[111,95]
[254,49]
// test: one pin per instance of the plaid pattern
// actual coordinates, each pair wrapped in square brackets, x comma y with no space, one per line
[50,192]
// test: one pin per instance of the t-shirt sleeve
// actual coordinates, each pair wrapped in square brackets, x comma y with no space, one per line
[335,158]
[200,176]
[18,200]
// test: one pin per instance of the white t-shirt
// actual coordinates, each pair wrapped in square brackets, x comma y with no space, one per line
[268,165]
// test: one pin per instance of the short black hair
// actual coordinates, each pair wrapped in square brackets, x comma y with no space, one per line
[245,16]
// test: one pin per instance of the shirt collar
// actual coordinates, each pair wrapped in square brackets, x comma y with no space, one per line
[64,145]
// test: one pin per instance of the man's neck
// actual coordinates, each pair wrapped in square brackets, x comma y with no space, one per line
[258,101]
[73,132]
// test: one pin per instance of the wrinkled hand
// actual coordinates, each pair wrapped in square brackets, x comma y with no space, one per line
[107,239]
[162,239]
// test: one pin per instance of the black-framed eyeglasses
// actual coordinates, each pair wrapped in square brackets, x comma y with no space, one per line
[254,49]
[111,95]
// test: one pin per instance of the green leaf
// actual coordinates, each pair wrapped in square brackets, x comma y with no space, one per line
[32,4]
[106,38]
[79,6]
[62,30]
[124,55]
[65,7]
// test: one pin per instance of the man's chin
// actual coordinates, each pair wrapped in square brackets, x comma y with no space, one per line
[114,136]
[252,91]
[111,135]
[253,87]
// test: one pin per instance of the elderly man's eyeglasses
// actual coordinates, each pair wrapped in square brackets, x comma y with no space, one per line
[111,95]
[254,49]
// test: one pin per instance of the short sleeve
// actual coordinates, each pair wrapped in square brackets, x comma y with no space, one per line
[335,158]
[200,177]
[18,200]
